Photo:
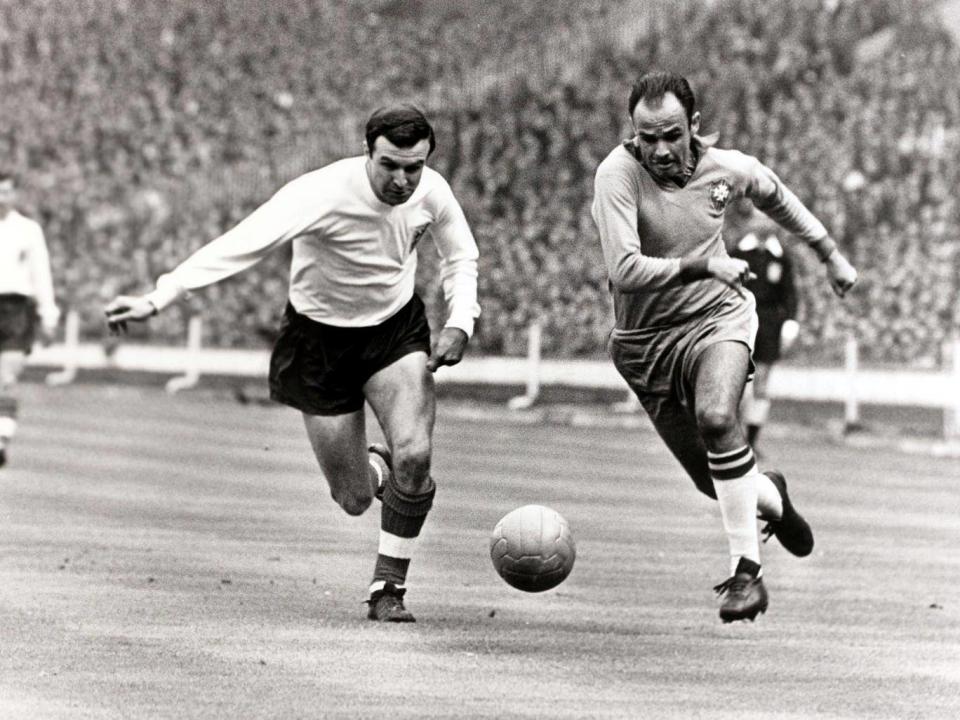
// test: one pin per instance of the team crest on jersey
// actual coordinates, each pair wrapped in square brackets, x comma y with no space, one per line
[418,233]
[721,193]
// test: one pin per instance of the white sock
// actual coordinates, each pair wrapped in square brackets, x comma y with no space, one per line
[734,479]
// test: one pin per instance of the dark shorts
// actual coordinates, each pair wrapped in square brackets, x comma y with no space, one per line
[660,366]
[321,369]
[18,322]
[767,348]
[663,360]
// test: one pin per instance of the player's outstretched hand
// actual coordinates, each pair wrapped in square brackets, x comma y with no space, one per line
[732,272]
[449,348]
[125,308]
[841,273]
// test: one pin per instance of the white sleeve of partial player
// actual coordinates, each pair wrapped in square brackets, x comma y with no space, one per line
[42,281]
[274,223]
[458,264]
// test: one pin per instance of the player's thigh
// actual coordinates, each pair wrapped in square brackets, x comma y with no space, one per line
[403,397]
[12,363]
[721,374]
[677,428]
[340,445]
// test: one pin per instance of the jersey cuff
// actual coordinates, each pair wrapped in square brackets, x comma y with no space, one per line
[164,295]
[461,322]
[692,269]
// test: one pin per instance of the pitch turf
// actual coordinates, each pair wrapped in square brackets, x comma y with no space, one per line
[179,557]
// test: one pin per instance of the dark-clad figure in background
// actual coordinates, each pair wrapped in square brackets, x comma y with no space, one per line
[775,290]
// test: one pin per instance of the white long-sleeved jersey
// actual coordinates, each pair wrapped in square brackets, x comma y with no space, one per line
[354,258]
[25,264]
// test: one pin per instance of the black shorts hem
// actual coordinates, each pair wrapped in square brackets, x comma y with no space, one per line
[322,369]
[307,408]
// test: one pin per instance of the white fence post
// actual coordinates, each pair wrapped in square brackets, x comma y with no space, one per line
[522,402]
[851,410]
[951,409]
[71,346]
[194,345]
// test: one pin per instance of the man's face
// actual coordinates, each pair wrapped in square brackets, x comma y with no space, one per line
[394,173]
[8,196]
[663,135]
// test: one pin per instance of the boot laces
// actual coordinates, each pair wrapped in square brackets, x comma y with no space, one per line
[768,531]
[736,584]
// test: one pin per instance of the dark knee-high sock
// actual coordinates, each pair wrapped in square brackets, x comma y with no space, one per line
[401,518]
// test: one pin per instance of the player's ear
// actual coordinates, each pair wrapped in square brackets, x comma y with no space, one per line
[366,148]
[695,123]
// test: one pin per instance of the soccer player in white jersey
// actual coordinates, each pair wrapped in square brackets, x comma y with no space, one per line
[26,295]
[685,326]
[354,330]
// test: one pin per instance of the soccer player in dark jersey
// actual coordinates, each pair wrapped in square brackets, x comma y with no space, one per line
[774,288]
[354,331]
[26,296]
[684,324]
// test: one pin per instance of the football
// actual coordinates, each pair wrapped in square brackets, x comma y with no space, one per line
[532,548]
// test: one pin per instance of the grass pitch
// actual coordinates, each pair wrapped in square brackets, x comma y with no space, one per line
[180,557]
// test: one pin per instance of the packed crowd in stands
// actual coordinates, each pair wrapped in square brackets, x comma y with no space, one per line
[141,131]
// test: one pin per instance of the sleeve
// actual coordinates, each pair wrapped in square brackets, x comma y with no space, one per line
[42,281]
[458,263]
[777,201]
[274,223]
[615,214]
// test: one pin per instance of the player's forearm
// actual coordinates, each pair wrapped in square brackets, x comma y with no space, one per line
[199,270]
[633,272]
[271,225]
[459,280]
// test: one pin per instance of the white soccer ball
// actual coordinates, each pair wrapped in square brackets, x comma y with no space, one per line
[532,548]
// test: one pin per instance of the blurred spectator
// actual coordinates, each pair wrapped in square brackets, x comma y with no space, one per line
[146,128]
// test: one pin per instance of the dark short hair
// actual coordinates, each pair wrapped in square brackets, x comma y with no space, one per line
[654,85]
[403,124]
[6,176]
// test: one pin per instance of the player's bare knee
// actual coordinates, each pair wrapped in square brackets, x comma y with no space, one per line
[715,424]
[411,466]
[353,503]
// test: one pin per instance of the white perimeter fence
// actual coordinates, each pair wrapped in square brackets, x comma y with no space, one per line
[850,384]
